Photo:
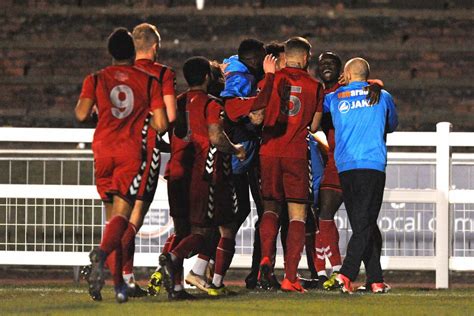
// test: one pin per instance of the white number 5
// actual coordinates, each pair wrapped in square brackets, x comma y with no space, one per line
[121,97]
[285,109]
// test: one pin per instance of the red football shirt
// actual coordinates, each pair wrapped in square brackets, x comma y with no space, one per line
[237,108]
[166,74]
[121,94]
[202,112]
[168,82]
[295,98]
[180,157]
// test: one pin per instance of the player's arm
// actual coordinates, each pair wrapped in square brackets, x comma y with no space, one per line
[313,128]
[86,100]
[83,109]
[237,108]
[392,117]
[322,142]
[169,95]
[159,117]
[216,133]
[159,120]
[221,141]
[375,89]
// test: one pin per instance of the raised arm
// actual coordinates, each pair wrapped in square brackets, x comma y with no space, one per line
[237,108]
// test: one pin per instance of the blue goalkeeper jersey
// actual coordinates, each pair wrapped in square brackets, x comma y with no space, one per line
[239,82]
[360,128]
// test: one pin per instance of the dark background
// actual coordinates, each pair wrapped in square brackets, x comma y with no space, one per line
[422,50]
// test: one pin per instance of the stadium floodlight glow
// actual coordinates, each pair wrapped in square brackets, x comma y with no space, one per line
[200,4]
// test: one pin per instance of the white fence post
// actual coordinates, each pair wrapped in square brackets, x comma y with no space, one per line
[443,184]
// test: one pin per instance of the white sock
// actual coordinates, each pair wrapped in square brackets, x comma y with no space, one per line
[178,287]
[323,273]
[200,266]
[217,279]
[336,268]
[129,278]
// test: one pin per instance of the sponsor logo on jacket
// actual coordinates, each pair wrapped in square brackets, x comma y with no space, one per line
[345,106]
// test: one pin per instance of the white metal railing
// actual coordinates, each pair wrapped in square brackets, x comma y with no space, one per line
[57,224]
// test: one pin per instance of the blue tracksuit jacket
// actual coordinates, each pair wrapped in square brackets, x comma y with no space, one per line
[360,128]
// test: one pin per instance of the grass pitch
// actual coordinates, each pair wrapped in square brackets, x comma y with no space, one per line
[74,300]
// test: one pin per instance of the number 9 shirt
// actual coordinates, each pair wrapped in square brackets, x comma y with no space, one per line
[124,96]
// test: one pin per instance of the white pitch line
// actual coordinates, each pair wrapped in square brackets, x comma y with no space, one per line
[37,289]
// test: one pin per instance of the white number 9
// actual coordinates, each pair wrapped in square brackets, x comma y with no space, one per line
[121,97]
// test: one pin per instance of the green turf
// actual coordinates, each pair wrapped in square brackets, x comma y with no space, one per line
[73,300]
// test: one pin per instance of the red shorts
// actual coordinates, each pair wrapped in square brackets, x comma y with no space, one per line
[149,182]
[285,179]
[118,175]
[181,159]
[330,180]
[222,213]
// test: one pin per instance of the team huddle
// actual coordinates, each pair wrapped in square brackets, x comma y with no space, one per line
[245,125]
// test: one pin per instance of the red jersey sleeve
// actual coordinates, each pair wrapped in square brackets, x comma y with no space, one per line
[169,82]
[213,113]
[238,107]
[156,96]
[375,81]
[88,88]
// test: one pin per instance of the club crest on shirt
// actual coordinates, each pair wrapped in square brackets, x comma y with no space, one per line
[344,106]
[121,76]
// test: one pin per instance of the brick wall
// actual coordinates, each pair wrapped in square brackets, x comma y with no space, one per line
[423,56]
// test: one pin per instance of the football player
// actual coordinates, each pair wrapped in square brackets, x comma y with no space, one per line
[295,105]
[124,96]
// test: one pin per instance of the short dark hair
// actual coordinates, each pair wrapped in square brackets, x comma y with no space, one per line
[248,47]
[195,70]
[274,49]
[120,44]
[331,55]
[297,45]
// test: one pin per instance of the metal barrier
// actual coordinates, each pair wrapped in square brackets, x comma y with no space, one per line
[50,213]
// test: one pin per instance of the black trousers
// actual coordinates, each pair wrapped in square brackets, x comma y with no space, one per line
[362,191]
[242,183]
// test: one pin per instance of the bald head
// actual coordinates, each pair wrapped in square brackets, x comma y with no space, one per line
[357,69]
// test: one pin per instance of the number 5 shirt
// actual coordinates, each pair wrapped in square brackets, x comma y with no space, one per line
[296,96]
[124,96]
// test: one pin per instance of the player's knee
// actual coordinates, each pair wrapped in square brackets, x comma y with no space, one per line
[203,231]
[227,231]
